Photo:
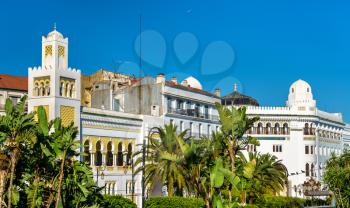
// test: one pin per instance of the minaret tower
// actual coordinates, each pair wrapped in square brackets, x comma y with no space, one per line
[53,85]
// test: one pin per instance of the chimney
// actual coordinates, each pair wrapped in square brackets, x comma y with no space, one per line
[160,78]
[217,92]
[174,80]
[185,83]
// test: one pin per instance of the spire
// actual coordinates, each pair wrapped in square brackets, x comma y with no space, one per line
[54,26]
[235,87]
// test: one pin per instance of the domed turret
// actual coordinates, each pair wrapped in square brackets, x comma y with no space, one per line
[300,95]
[192,82]
[55,34]
[237,99]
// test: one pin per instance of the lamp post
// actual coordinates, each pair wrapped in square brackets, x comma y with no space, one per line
[126,167]
[98,170]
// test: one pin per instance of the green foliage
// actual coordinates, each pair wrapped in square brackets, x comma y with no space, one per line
[166,153]
[44,170]
[117,202]
[269,175]
[174,202]
[280,202]
[337,177]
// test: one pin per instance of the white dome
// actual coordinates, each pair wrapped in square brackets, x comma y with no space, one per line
[300,94]
[55,34]
[192,82]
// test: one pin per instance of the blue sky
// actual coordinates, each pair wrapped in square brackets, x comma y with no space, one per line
[264,46]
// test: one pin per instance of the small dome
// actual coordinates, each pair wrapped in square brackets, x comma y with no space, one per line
[192,82]
[300,94]
[300,86]
[54,34]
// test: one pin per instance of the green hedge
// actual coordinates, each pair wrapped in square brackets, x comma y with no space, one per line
[174,202]
[280,202]
[117,202]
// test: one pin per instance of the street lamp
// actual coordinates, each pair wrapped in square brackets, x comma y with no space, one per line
[98,170]
[130,162]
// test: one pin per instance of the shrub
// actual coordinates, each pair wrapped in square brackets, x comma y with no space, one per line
[117,202]
[280,202]
[174,202]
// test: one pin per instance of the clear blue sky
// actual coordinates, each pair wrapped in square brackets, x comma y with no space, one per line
[273,42]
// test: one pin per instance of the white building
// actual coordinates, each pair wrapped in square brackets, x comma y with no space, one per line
[299,134]
[115,112]
[13,87]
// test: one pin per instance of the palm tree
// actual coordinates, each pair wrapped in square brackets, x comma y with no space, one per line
[55,175]
[234,125]
[17,128]
[269,175]
[165,159]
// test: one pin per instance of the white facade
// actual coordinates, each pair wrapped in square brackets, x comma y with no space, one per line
[301,135]
[14,95]
[53,85]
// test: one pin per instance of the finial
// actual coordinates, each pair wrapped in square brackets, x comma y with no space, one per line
[235,87]
[54,26]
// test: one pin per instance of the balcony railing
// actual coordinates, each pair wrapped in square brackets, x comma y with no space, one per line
[193,113]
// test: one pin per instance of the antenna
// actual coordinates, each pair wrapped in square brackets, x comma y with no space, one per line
[140,46]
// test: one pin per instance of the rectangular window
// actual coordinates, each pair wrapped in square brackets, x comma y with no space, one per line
[116,105]
[312,150]
[180,104]
[277,148]
[206,112]
[181,126]
[188,105]
[14,99]
[209,130]
[200,130]
[169,101]
[172,121]
[306,149]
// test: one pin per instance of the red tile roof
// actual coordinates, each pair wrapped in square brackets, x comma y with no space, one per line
[13,82]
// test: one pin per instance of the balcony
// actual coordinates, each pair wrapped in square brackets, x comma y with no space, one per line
[192,113]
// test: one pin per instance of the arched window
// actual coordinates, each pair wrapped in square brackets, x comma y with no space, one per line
[98,157]
[312,129]
[36,89]
[47,88]
[72,91]
[268,128]
[42,89]
[120,154]
[87,156]
[109,156]
[307,169]
[62,89]
[67,90]
[129,155]
[277,128]
[260,128]
[306,129]
[285,128]
[312,170]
